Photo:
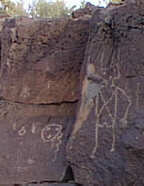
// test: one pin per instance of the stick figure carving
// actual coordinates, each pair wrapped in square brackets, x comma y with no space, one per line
[116,91]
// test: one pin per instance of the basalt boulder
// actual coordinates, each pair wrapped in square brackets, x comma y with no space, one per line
[39,90]
[106,147]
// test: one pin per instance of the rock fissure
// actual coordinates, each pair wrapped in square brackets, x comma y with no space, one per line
[40,104]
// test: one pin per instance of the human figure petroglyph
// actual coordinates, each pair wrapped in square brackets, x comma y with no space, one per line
[116,91]
[92,93]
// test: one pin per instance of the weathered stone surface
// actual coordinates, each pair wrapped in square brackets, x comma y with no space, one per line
[41,59]
[3,17]
[7,185]
[33,139]
[87,11]
[53,184]
[106,147]
[39,89]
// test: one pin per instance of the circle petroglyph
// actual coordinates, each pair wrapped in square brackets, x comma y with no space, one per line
[51,132]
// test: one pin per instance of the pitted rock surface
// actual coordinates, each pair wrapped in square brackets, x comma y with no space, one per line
[46,67]
[40,72]
[33,142]
[41,59]
[105,149]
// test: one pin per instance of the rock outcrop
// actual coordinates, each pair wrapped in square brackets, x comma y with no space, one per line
[39,90]
[41,60]
[106,147]
[72,98]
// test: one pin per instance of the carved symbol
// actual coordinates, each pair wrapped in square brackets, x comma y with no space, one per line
[99,110]
[33,130]
[22,131]
[52,133]
[92,92]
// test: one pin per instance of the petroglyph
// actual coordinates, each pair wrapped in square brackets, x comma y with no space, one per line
[92,94]
[34,128]
[116,91]
[22,131]
[51,133]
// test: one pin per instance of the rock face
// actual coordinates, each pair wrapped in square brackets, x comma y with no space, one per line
[47,66]
[41,60]
[39,89]
[33,141]
[106,146]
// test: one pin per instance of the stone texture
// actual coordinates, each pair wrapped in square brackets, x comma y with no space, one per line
[3,17]
[41,59]
[39,90]
[53,184]
[106,147]
[82,12]
[41,62]
[33,141]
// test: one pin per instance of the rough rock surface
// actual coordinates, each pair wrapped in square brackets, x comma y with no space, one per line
[82,12]
[41,59]
[39,90]
[106,147]
[33,141]
[40,69]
